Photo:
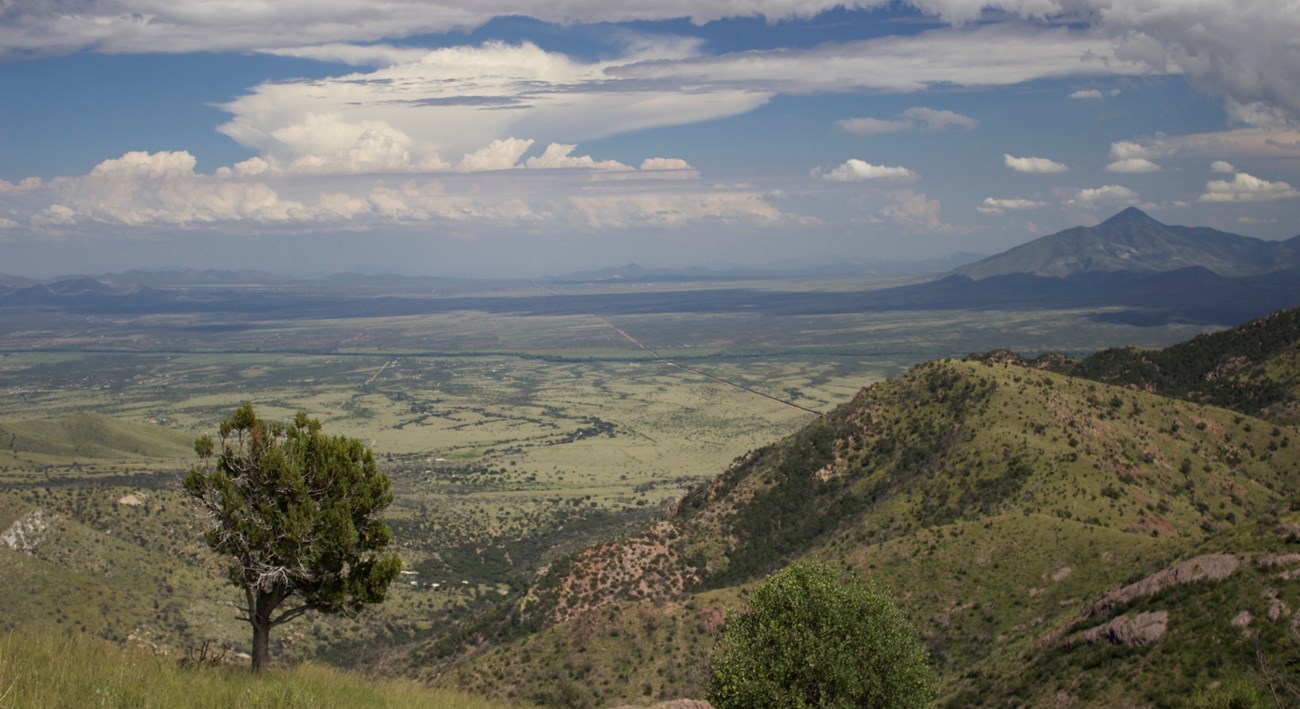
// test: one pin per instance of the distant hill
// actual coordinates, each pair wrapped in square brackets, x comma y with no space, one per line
[91,435]
[1133,241]
[1059,541]
[194,277]
[636,273]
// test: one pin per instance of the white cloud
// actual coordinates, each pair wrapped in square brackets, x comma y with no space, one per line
[1033,164]
[872,126]
[161,189]
[933,120]
[1130,150]
[993,205]
[558,155]
[497,155]
[915,211]
[153,191]
[419,115]
[1085,94]
[915,118]
[1244,187]
[1240,143]
[374,55]
[665,164]
[658,209]
[855,170]
[1243,51]
[1222,166]
[981,56]
[1133,165]
[1105,194]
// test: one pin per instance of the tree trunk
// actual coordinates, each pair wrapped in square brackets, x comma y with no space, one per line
[260,619]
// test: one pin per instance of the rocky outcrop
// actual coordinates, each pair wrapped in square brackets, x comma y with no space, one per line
[1139,629]
[26,532]
[1208,567]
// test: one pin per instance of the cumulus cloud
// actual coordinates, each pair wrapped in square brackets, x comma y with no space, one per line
[915,118]
[1222,166]
[497,155]
[1086,94]
[421,114]
[1133,165]
[161,191]
[665,164]
[1130,150]
[1244,187]
[1104,195]
[558,155]
[993,205]
[855,170]
[1033,164]
[916,211]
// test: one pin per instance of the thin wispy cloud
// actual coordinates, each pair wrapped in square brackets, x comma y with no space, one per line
[1033,164]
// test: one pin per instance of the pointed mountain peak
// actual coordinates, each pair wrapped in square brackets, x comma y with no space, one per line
[1131,215]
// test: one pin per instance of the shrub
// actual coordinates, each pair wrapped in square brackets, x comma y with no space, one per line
[809,640]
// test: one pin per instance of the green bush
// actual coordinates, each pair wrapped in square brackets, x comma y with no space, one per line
[809,640]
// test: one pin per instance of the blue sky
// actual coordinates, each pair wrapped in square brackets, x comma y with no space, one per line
[510,137]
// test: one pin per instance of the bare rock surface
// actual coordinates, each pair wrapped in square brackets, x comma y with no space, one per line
[1140,629]
[1212,567]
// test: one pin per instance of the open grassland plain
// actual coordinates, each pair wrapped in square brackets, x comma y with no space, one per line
[512,436]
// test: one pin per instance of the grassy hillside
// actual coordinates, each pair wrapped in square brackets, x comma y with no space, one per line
[1008,509]
[1254,368]
[79,671]
[90,434]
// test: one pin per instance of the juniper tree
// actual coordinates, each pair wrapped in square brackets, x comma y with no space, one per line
[298,513]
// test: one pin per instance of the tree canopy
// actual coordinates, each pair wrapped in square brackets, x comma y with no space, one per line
[807,639]
[298,513]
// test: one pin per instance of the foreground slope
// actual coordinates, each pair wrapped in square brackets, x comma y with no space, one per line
[1057,540]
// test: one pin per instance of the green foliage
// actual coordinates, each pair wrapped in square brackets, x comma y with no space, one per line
[809,640]
[298,512]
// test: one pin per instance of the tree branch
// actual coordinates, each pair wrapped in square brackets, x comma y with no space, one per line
[290,614]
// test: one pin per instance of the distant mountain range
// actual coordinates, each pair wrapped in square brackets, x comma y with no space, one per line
[634,273]
[1133,241]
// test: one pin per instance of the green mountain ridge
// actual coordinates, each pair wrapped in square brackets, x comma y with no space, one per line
[1058,541]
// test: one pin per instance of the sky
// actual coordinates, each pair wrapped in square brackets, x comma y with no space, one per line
[518,138]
